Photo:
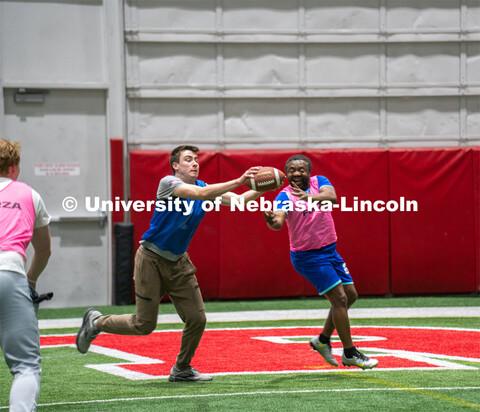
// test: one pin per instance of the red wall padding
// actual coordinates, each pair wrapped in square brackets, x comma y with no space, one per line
[434,250]
[254,260]
[363,237]
[476,208]
[254,257]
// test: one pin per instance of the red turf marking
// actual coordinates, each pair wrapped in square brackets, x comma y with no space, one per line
[233,351]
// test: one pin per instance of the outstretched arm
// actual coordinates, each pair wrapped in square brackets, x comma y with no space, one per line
[246,196]
[189,191]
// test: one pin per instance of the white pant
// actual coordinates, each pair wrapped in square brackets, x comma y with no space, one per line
[19,340]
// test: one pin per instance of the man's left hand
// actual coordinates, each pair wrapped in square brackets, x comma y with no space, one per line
[296,191]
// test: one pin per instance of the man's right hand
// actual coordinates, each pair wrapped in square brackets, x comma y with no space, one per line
[249,174]
[275,220]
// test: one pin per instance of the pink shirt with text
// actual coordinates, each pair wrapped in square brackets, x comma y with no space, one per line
[17,217]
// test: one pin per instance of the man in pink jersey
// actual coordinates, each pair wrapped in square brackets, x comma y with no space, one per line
[313,254]
[23,218]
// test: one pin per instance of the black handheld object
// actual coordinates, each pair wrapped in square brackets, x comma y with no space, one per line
[36,298]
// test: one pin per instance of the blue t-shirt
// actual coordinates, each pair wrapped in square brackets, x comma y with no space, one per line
[172,230]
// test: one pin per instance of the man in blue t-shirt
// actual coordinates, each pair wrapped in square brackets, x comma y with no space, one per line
[162,265]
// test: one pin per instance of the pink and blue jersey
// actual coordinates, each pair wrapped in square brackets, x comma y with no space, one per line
[313,239]
[312,229]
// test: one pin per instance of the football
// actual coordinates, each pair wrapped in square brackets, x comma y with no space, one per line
[267,178]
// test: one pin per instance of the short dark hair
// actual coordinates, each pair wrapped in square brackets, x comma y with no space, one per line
[299,157]
[9,155]
[175,155]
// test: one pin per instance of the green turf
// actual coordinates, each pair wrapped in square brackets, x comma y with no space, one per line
[406,399]
[65,379]
[77,384]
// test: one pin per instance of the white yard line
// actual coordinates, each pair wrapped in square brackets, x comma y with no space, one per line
[221,395]
[259,315]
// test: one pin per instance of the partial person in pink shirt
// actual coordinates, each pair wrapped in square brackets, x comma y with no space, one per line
[313,254]
[23,219]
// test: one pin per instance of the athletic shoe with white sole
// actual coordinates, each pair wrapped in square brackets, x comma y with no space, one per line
[187,375]
[323,349]
[88,331]
[359,360]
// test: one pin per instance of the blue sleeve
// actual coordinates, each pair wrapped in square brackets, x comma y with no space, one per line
[282,201]
[323,181]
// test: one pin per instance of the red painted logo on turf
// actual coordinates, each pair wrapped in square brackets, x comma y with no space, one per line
[276,350]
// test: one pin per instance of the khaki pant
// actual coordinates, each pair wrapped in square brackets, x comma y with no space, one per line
[154,277]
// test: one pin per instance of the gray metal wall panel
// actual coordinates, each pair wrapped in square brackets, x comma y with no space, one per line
[303,73]
[51,42]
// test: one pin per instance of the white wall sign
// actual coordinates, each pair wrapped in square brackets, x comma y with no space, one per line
[57,169]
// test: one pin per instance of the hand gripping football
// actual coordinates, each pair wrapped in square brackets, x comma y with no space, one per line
[267,178]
